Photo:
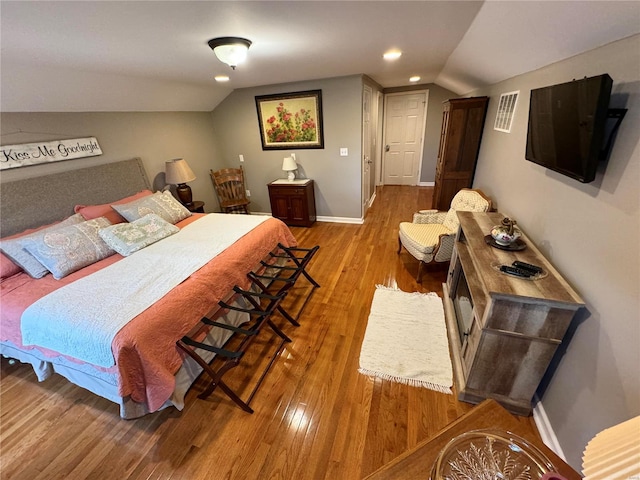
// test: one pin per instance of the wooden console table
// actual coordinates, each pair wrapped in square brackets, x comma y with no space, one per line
[417,462]
[503,330]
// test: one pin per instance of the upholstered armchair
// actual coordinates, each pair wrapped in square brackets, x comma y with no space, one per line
[431,235]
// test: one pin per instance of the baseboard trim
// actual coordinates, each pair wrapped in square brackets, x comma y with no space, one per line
[357,221]
[426,184]
[546,430]
[372,199]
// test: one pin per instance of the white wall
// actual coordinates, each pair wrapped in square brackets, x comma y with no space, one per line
[590,232]
[437,96]
[337,179]
[155,137]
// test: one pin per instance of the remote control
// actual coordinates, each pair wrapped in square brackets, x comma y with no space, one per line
[518,272]
[527,266]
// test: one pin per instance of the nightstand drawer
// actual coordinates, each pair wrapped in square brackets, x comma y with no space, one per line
[286,190]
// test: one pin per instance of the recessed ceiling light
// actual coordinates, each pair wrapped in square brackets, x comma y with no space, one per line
[392,55]
[415,78]
[221,78]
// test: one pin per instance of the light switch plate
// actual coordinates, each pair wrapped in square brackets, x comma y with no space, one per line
[344,152]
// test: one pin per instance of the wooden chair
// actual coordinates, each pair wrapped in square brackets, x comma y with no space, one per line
[230,189]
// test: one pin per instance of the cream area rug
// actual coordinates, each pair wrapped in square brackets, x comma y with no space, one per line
[406,340]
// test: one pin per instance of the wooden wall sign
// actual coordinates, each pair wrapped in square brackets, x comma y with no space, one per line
[13,156]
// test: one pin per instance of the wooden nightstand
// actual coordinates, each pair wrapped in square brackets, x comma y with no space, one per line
[293,202]
[196,207]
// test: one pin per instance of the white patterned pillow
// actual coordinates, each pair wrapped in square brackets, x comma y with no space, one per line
[65,250]
[127,238]
[162,204]
[14,247]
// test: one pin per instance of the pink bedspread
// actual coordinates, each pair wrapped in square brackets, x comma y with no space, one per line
[145,349]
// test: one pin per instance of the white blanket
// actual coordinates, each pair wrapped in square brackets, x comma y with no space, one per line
[81,319]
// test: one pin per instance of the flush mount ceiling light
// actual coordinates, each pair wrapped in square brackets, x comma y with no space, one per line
[392,55]
[221,78]
[230,50]
[414,79]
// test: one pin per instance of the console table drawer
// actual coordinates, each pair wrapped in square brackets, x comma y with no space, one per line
[505,367]
[533,320]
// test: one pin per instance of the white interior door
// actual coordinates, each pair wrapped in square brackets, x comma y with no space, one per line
[404,124]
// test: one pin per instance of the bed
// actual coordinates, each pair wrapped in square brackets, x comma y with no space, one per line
[148,373]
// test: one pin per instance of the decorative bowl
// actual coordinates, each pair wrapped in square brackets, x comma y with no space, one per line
[506,233]
[490,455]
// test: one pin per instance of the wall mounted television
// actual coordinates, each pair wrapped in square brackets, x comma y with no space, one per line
[567,124]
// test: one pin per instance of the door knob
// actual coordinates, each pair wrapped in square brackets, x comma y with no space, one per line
[386,148]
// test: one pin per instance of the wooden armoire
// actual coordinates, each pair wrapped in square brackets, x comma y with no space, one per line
[462,126]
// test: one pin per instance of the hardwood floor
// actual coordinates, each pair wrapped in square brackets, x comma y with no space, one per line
[315,416]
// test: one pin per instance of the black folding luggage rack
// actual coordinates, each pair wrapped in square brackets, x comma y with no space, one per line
[276,278]
[271,287]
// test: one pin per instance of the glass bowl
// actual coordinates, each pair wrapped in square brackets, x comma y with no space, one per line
[490,455]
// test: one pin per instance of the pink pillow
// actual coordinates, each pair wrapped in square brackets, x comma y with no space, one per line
[89,212]
[7,267]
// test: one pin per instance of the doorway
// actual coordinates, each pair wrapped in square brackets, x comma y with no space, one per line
[404,126]
[368,147]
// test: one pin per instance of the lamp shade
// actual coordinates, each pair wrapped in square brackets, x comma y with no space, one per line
[230,50]
[613,453]
[289,164]
[177,171]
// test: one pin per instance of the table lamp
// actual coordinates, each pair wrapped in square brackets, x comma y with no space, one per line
[613,453]
[178,172]
[290,165]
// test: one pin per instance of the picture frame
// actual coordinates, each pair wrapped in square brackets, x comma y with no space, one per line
[291,120]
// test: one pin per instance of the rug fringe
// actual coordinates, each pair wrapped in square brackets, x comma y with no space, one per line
[396,289]
[407,381]
[384,287]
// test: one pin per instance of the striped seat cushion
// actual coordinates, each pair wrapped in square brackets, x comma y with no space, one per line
[423,237]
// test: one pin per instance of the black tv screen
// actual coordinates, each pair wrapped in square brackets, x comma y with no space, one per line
[567,126]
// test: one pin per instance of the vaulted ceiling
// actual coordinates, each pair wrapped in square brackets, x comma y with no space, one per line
[153,55]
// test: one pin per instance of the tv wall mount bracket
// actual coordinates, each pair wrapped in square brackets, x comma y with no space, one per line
[616,114]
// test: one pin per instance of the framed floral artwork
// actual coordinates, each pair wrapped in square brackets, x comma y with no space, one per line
[291,120]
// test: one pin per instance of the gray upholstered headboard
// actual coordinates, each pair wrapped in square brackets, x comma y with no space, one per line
[37,201]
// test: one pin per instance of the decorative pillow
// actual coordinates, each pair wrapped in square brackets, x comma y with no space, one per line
[126,238]
[65,250]
[162,204]
[13,246]
[7,267]
[89,212]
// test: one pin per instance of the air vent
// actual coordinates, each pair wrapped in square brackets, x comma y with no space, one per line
[506,109]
